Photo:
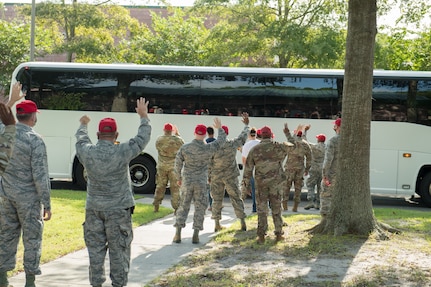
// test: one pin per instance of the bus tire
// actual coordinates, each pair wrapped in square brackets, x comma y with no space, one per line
[80,178]
[425,189]
[143,174]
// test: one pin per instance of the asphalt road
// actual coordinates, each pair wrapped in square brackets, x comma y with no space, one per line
[378,201]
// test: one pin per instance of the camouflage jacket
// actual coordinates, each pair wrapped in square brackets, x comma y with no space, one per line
[107,166]
[331,157]
[300,156]
[223,163]
[266,159]
[167,147]
[7,141]
[26,178]
[191,162]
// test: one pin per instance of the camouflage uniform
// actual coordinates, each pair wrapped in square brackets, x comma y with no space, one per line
[266,159]
[315,178]
[329,171]
[294,167]
[110,202]
[224,172]
[167,147]
[25,192]
[191,167]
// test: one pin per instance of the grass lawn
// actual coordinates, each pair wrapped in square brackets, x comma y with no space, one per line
[64,234]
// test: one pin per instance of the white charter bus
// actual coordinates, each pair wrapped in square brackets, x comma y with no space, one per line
[400,163]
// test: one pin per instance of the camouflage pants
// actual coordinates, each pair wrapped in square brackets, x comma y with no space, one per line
[12,214]
[313,181]
[268,192]
[164,176]
[218,185]
[111,230]
[326,197]
[196,191]
[297,177]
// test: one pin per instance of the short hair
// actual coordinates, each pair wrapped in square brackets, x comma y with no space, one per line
[210,130]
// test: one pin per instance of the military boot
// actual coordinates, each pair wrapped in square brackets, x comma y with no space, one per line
[279,237]
[195,238]
[217,227]
[177,237]
[284,202]
[295,207]
[243,225]
[261,239]
[3,279]
[308,206]
[29,280]
[156,208]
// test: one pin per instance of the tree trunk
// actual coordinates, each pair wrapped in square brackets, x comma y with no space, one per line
[351,207]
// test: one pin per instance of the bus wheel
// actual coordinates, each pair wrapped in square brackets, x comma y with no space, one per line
[80,176]
[425,189]
[143,174]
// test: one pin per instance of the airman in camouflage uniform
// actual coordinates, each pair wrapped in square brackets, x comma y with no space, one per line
[110,203]
[294,167]
[191,167]
[25,196]
[266,159]
[315,178]
[167,147]
[329,172]
[224,172]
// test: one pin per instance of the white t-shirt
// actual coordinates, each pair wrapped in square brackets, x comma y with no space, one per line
[247,147]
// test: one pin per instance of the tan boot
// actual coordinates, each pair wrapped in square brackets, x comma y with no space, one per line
[308,206]
[218,226]
[279,237]
[243,225]
[284,202]
[156,208]
[295,207]
[195,238]
[261,239]
[177,237]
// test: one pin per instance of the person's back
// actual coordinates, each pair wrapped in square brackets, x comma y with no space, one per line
[110,203]
[224,174]
[167,146]
[268,157]
[329,171]
[191,168]
[265,159]
[25,191]
[107,167]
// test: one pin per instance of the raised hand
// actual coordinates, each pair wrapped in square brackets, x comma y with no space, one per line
[6,115]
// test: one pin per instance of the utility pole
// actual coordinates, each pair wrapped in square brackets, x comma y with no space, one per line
[33,16]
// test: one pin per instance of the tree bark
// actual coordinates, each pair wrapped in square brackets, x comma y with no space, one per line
[351,207]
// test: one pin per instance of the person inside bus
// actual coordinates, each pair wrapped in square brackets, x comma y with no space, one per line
[110,203]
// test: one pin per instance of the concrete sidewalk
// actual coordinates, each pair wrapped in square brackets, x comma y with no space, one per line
[152,251]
